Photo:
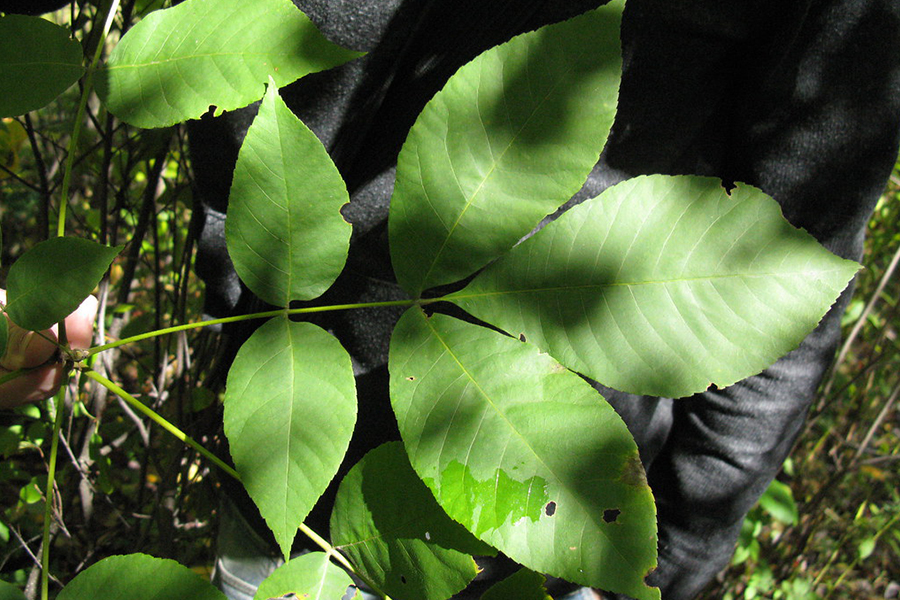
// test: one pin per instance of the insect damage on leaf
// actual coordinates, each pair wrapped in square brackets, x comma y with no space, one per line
[611,515]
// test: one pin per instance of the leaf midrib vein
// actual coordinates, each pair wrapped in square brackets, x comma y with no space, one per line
[494,164]
[628,284]
[502,414]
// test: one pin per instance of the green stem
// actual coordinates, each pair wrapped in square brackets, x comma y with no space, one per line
[48,504]
[140,406]
[857,559]
[259,315]
[79,120]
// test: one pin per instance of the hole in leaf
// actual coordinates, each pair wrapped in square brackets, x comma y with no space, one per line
[611,515]
[522,337]
[402,579]
[550,509]
[410,378]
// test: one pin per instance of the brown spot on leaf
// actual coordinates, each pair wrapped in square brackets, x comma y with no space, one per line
[633,471]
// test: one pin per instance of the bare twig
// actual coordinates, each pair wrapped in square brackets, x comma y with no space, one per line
[860,323]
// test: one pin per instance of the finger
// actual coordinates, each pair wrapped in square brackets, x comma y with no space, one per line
[80,324]
[36,386]
[26,349]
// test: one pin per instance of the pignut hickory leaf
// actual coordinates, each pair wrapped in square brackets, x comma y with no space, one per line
[512,136]
[523,452]
[390,527]
[663,285]
[311,576]
[284,229]
[290,408]
[38,62]
[522,585]
[139,576]
[178,61]
[52,278]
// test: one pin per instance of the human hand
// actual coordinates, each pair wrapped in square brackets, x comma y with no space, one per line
[27,349]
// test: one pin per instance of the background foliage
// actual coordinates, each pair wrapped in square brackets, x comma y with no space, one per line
[125,485]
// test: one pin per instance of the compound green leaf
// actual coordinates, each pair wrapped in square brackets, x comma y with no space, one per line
[38,62]
[51,279]
[139,576]
[284,229]
[177,62]
[522,585]
[290,408]
[311,576]
[10,592]
[663,286]
[392,529]
[511,137]
[524,453]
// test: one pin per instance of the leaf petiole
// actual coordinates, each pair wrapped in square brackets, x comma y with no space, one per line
[158,419]
[259,315]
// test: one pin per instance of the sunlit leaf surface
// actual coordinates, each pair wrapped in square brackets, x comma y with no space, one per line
[311,576]
[663,286]
[523,452]
[175,63]
[511,137]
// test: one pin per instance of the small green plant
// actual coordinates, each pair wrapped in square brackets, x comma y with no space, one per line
[661,285]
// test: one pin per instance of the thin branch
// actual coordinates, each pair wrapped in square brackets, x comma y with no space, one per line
[863,318]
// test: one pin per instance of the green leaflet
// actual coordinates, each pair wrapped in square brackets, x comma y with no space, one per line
[389,525]
[511,137]
[663,285]
[139,576]
[177,62]
[779,502]
[523,452]
[38,62]
[290,408]
[51,279]
[521,585]
[284,229]
[311,576]
[10,592]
